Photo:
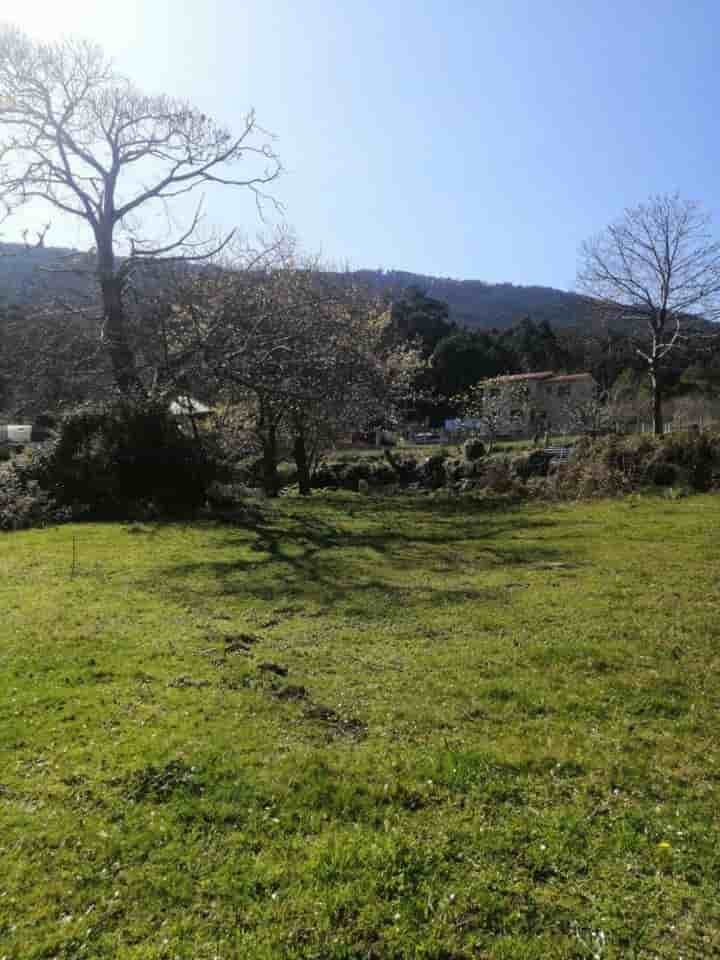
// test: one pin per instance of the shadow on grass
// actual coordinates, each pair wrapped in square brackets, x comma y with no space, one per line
[367,555]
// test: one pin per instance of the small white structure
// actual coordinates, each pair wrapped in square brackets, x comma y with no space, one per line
[15,433]
[187,407]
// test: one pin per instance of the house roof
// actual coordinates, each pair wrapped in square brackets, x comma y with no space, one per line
[549,375]
[517,377]
[568,377]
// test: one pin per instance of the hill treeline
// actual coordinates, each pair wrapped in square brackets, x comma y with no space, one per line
[26,275]
[468,331]
[484,306]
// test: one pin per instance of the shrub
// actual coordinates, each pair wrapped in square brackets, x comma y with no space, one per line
[496,477]
[287,474]
[433,470]
[454,470]
[662,474]
[405,469]
[349,475]
[473,449]
[127,457]
[327,475]
[599,467]
[590,478]
[533,464]
[23,504]
[352,473]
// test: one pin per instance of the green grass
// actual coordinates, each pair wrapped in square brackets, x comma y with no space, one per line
[431,449]
[497,736]
[420,451]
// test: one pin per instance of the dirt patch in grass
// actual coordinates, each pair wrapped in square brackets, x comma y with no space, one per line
[275,668]
[291,692]
[184,682]
[334,723]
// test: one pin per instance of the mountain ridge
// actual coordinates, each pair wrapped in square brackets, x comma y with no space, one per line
[31,274]
[479,305]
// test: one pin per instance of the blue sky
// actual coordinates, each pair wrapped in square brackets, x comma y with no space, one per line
[480,139]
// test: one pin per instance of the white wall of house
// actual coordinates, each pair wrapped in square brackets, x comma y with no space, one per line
[549,399]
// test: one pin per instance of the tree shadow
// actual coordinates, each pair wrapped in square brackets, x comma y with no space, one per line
[366,556]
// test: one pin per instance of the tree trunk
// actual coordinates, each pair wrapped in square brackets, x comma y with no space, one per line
[658,424]
[119,350]
[302,463]
[271,481]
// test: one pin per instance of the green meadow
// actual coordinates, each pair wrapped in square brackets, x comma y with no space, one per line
[403,727]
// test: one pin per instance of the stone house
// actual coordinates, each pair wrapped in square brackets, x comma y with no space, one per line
[550,398]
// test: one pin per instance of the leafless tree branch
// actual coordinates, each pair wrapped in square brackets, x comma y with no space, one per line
[657,269]
[81,137]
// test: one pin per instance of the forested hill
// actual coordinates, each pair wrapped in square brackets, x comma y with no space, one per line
[30,275]
[37,274]
[484,306]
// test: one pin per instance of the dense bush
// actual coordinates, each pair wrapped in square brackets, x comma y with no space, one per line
[589,478]
[473,449]
[697,455]
[606,467]
[287,474]
[23,504]
[404,467]
[432,470]
[125,458]
[497,477]
[615,465]
[663,474]
[348,475]
[533,464]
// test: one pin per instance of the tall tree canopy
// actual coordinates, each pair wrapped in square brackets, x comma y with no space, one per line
[416,315]
[464,357]
[81,138]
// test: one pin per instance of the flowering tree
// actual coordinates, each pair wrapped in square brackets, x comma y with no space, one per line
[303,354]
[591,415]
[496,405]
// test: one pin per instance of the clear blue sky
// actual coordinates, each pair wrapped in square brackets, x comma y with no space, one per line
[468,139]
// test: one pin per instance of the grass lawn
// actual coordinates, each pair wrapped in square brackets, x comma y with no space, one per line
[408,727]
[420,451]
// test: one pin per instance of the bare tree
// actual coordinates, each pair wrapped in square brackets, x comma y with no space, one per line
[658,269]
[80,137]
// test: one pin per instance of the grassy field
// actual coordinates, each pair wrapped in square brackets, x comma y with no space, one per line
[430,449]
[400,728]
